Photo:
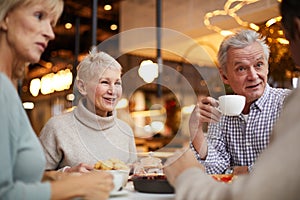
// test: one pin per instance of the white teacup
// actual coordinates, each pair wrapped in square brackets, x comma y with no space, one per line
[231,105]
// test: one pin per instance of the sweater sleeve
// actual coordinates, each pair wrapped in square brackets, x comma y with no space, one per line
[50,145]
[15,180]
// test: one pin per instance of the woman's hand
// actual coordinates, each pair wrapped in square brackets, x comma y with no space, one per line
[97,185]
[90,186]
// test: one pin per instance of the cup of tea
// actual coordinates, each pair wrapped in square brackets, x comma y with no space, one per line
[231,105]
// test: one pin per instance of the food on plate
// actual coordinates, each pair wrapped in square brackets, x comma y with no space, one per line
[226,178]
[111,164]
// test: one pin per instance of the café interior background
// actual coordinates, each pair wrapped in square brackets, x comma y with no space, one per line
[157,113]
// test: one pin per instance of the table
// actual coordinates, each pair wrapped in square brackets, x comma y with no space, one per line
[130,194]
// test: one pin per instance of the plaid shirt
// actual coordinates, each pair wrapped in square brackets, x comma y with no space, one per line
[234,142]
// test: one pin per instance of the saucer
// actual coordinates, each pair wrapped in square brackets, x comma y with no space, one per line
[118,193]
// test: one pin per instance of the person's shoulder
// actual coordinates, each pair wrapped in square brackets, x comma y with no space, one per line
[294,96]
[6,87]
[3,79]
[280,92]
[57,124]
[62,117]
[60,120]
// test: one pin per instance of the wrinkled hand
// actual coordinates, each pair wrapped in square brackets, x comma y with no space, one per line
[81,168]
[179,162]
[96,185]
[239,170]
[207,108]
[205,111]
[90,186]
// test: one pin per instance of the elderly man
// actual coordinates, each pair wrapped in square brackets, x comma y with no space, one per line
[234,142]
[275,175]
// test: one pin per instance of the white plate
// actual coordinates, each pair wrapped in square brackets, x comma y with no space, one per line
[118,193]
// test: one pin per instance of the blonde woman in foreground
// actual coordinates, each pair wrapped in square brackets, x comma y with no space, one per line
[26,27]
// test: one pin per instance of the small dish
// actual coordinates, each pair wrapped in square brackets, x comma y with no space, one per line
[225,178]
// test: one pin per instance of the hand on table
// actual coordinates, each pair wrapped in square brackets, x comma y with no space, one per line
[97,185]
[93,185]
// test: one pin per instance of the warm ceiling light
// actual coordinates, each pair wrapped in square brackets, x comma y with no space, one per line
[226,33]
[70,97]
[113,27]
[107,7]
[148,71]
[270,40]
[295,81]
[68,25]
[280,32]
[272,21]
[28,105]
[282,41]
[48,65]
[254,26]
[230,9]
[34,88]
[51,82]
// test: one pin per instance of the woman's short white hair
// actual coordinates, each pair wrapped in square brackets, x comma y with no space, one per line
[94,64]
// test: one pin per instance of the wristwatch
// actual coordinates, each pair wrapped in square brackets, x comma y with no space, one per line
[229,170]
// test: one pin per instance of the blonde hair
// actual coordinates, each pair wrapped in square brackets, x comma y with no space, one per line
[94,64]
[55,7]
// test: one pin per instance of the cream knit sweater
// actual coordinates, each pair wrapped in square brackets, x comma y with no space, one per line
[81,136]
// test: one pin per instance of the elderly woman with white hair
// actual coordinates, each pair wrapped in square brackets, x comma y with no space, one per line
[75,141]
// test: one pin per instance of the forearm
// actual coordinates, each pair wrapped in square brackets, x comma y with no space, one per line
[200,145]
[66,189]
[214,162]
